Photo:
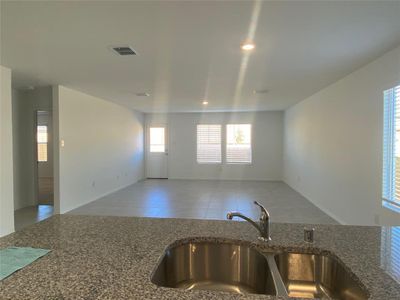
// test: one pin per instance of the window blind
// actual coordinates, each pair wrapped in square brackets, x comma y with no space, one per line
[238,143]
[391,149]
[208,143]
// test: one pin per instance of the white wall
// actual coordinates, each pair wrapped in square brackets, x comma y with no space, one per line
[333,144]
[267,133]
[25,104]
[6,154]
[103,149]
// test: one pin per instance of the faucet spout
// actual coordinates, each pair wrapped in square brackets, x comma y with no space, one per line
[264,225]
[237,214]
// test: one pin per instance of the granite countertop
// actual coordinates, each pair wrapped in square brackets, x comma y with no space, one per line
[97,257]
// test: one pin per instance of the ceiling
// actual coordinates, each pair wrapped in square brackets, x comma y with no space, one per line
[190,51]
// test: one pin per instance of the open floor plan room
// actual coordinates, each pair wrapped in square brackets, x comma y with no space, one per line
[196,149]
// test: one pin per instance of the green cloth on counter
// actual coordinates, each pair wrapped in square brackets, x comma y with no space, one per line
[14,258]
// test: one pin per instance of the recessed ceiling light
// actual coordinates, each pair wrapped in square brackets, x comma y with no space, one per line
[205,102]
[248,46]
[257,92]
[143,94]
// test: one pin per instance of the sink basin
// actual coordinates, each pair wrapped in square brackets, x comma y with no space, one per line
[217,266]
[317,276]
[234,266]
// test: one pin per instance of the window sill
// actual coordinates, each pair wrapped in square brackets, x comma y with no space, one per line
[391,206]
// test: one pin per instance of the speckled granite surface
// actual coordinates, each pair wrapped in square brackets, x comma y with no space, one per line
[113,257]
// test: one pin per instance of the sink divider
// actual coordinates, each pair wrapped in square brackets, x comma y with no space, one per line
[276,276]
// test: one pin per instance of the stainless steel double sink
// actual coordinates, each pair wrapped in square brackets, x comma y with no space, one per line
[241,268]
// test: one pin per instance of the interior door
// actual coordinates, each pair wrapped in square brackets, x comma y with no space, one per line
[157,152]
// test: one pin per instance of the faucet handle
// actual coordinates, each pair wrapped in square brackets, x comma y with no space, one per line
[263,209]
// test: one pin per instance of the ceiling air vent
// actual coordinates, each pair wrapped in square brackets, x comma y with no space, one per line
[123,50]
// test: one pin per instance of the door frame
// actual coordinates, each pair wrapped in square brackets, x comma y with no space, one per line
[35,158]
[147,146]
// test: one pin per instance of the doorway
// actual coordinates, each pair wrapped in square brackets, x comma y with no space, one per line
[157,152]
[32,118]
[44,158]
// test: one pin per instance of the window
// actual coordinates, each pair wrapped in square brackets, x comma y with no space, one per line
[238,143]
[390,249]
[209,144]
[157,139]
[42,143]
[391,149]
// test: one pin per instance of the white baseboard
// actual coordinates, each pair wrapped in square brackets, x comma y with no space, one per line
[223,178]
[101,196]
[324,209]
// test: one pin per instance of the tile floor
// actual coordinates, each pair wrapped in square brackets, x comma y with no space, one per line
[29,215]
[206,199]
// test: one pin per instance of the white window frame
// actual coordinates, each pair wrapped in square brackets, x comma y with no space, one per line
[391,104]
[251,145]
[44,143]
[197,146]
[164,144]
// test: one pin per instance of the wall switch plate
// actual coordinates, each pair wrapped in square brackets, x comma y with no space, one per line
[62,143]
